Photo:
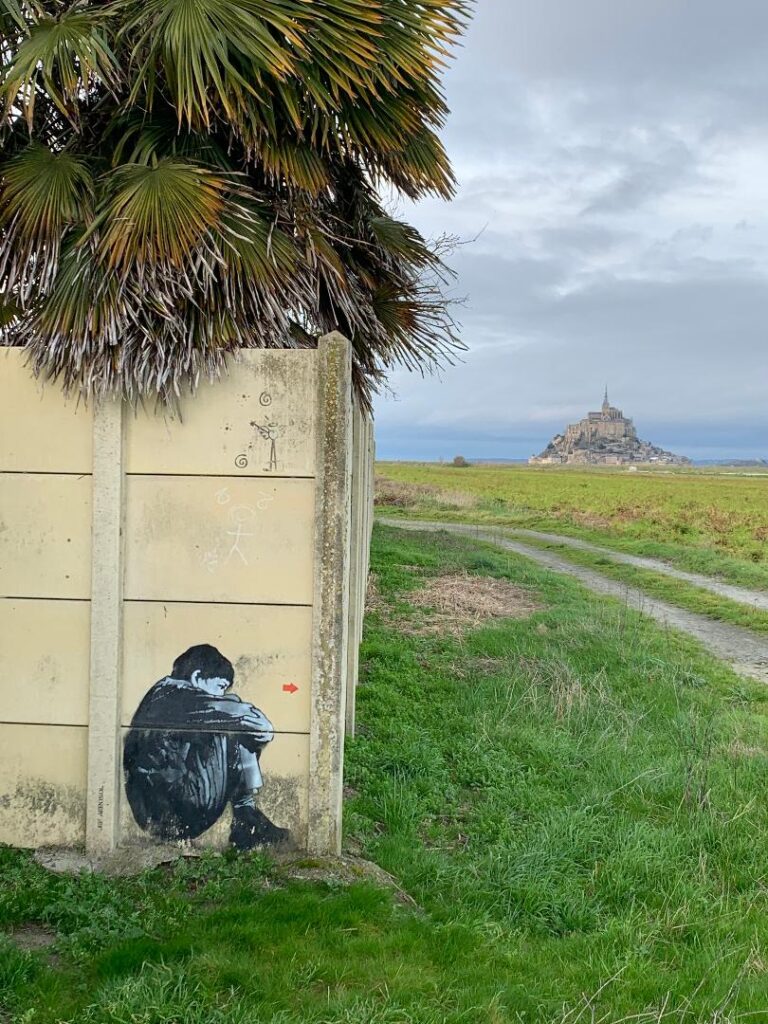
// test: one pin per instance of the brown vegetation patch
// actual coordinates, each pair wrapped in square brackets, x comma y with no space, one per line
[589,519]
[398,494]
[473,667]
[394,494]
[374,602]
[31,937]
[461,601]
[738,749]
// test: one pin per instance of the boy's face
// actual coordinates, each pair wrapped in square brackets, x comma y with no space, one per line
[215,686]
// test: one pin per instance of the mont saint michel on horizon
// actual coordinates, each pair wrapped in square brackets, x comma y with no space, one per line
[606,438]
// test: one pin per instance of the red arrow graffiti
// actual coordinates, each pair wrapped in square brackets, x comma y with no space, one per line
[289,688]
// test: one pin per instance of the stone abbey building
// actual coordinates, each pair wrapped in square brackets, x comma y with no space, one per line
[605,438]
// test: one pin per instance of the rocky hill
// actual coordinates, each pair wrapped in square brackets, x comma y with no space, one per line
[605,438]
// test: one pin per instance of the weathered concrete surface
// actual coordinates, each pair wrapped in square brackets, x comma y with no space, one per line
[754,598]
[331,593]
[229,425]
[362,492]
[744,651]
[45,433]
[106,629]
[217,539]
[118,863]
[43,780]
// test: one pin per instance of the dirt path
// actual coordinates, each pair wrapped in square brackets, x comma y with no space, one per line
[753,598]
[746,652]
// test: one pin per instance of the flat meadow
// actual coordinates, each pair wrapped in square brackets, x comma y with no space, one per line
[712,521]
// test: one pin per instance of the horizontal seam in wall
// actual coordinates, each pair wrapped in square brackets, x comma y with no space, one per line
[151,728]
[160,600]
[238,604]
[43,472]
[228,476]
[171,727]
[50,725]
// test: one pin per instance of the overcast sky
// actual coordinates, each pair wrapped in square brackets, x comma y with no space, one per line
[613,154]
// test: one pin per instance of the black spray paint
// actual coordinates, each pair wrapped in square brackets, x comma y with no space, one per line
[192,749]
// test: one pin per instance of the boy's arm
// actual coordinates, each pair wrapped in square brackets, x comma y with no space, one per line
[257,724]
[231,714]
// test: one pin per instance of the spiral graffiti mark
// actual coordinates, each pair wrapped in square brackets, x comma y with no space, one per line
[265,399]
[241,461]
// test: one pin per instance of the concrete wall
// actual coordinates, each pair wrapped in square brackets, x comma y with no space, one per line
[363,456]
[238,522]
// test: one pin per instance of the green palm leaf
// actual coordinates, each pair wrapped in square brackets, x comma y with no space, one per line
[158,213]
[204,49]
[42,196]
[62,56]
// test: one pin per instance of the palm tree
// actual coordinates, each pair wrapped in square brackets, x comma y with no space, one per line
[181,178]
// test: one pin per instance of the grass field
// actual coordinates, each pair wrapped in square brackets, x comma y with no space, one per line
[715,524]
[572,804]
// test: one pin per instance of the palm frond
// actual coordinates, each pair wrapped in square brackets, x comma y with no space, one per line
[12,17]
[203,49]
[158,213]
[61,56]
[42,196]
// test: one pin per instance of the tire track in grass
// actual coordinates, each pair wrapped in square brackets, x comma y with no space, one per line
[744,651]
[741,595]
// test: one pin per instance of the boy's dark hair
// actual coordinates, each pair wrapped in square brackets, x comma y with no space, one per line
[211,663]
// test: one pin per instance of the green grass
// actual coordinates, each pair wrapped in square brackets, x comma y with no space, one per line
[575,801]
[712,524]
[232,941]
[588,795]
[667,588]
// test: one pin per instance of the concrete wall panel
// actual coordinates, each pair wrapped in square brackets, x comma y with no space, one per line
[268,646]
[40,431]
[221,431]
[43,773]
[44,662]
[45,546]
[215,539]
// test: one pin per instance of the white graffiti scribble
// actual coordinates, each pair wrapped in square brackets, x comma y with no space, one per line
[233,542]
[238,534]
[210,561]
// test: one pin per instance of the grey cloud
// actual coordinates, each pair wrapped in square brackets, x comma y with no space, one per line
[642,180]
[673,39]
[612,157]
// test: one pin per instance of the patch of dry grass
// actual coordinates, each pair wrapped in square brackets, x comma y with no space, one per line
[453,603]
[374,602]
[397,494]
[459,601]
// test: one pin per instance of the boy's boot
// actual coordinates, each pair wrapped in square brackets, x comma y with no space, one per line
[250,828]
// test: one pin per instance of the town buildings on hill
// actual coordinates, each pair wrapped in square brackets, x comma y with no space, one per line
[605,438]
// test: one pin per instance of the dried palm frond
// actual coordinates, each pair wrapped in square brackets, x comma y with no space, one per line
[181,178]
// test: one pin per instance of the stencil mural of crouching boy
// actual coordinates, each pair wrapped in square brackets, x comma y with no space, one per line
[194,747]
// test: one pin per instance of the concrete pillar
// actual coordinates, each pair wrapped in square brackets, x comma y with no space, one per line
[101,833]
[331,593]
